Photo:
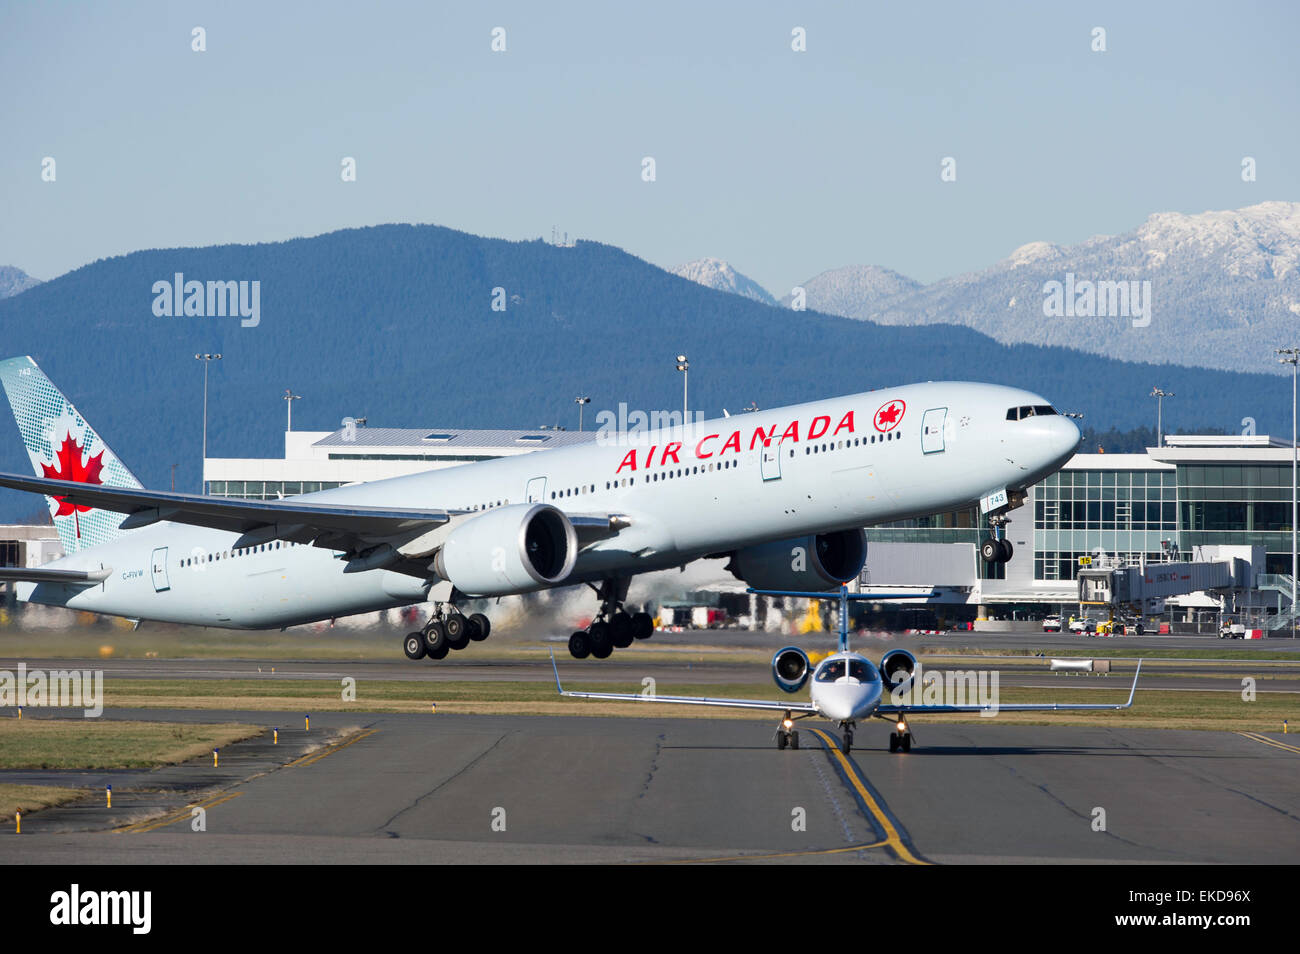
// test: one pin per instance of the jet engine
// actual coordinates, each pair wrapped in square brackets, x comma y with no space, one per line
[817,562]
[512,549]
[896,668]
[791,668]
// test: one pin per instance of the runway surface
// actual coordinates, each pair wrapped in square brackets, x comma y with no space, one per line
[442,788]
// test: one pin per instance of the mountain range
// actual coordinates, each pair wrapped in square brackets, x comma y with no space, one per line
[1217,290]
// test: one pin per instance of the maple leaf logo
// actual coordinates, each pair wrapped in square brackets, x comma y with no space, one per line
[889,415]
[70,467]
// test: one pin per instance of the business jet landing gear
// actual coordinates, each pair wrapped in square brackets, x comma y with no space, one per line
[447,629]
[786,734]
[997,548]
[846,737]
[613,627]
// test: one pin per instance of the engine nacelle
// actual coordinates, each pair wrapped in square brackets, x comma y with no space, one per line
[897,668]
[791,668]
[513,549]
[818,562]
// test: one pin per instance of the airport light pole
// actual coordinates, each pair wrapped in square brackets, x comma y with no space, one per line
[684,367]
[1291,356]
[581,401]
[1160,396]
[289,398]
[207,359]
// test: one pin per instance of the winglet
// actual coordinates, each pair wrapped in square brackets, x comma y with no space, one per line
[1132,692]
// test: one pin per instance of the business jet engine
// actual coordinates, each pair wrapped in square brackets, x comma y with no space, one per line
[896,668]
[791,668]
[512,549]
[819,562]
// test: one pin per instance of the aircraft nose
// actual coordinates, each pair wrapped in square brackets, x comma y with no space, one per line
[1055,437]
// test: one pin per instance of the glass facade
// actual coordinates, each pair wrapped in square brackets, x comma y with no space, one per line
[1133,513]
[1238,503]
[1127,513]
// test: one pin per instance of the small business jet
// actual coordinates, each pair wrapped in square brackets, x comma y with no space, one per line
[846,688]
[782,493]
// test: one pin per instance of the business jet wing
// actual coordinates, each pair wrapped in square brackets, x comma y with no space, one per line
[36,574]
[765,704]
[336,526]
[1018,706]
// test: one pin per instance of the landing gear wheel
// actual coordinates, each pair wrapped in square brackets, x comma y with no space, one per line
[846,743]
[435,639]
[601,642]
[643,625]
[579,645]
[1007,549]
[794,740]
[480,627]
[907,742]
[439,653]
[781,740]
[457,631]
[990,551]
[413,645]
[893,742]
[620,630]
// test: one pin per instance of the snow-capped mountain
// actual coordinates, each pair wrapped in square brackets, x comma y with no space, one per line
[14,280]
[854,292]
[717,274]
[1214,289]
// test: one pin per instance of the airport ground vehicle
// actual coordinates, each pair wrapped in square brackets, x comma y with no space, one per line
[1231,630]
[1052,624]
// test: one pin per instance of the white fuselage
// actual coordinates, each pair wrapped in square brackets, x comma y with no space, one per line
[827,465]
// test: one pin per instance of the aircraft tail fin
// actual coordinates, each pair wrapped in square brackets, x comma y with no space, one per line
[62,444]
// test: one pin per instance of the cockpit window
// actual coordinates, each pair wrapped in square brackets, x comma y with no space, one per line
[1028,410]
[831,671]
[859,669]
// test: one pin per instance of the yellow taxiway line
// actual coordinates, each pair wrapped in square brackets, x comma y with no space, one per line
[312,757]
[174,817]
[893,841]
[1256,737]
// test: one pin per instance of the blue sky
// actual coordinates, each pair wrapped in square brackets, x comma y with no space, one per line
[783,163]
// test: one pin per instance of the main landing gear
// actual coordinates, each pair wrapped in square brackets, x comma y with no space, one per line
[787,736]
[447,629]
[613,627]
[997,548]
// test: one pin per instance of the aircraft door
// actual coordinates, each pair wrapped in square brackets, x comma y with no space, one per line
[932,430]
[159,565]
[536,491]
[771,461]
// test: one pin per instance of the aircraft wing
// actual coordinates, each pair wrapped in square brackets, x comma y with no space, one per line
[337,526]
[36,574]
[1019,706]
[765,704]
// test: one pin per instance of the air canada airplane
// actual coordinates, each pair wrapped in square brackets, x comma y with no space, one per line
[846,688]
[784,493]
